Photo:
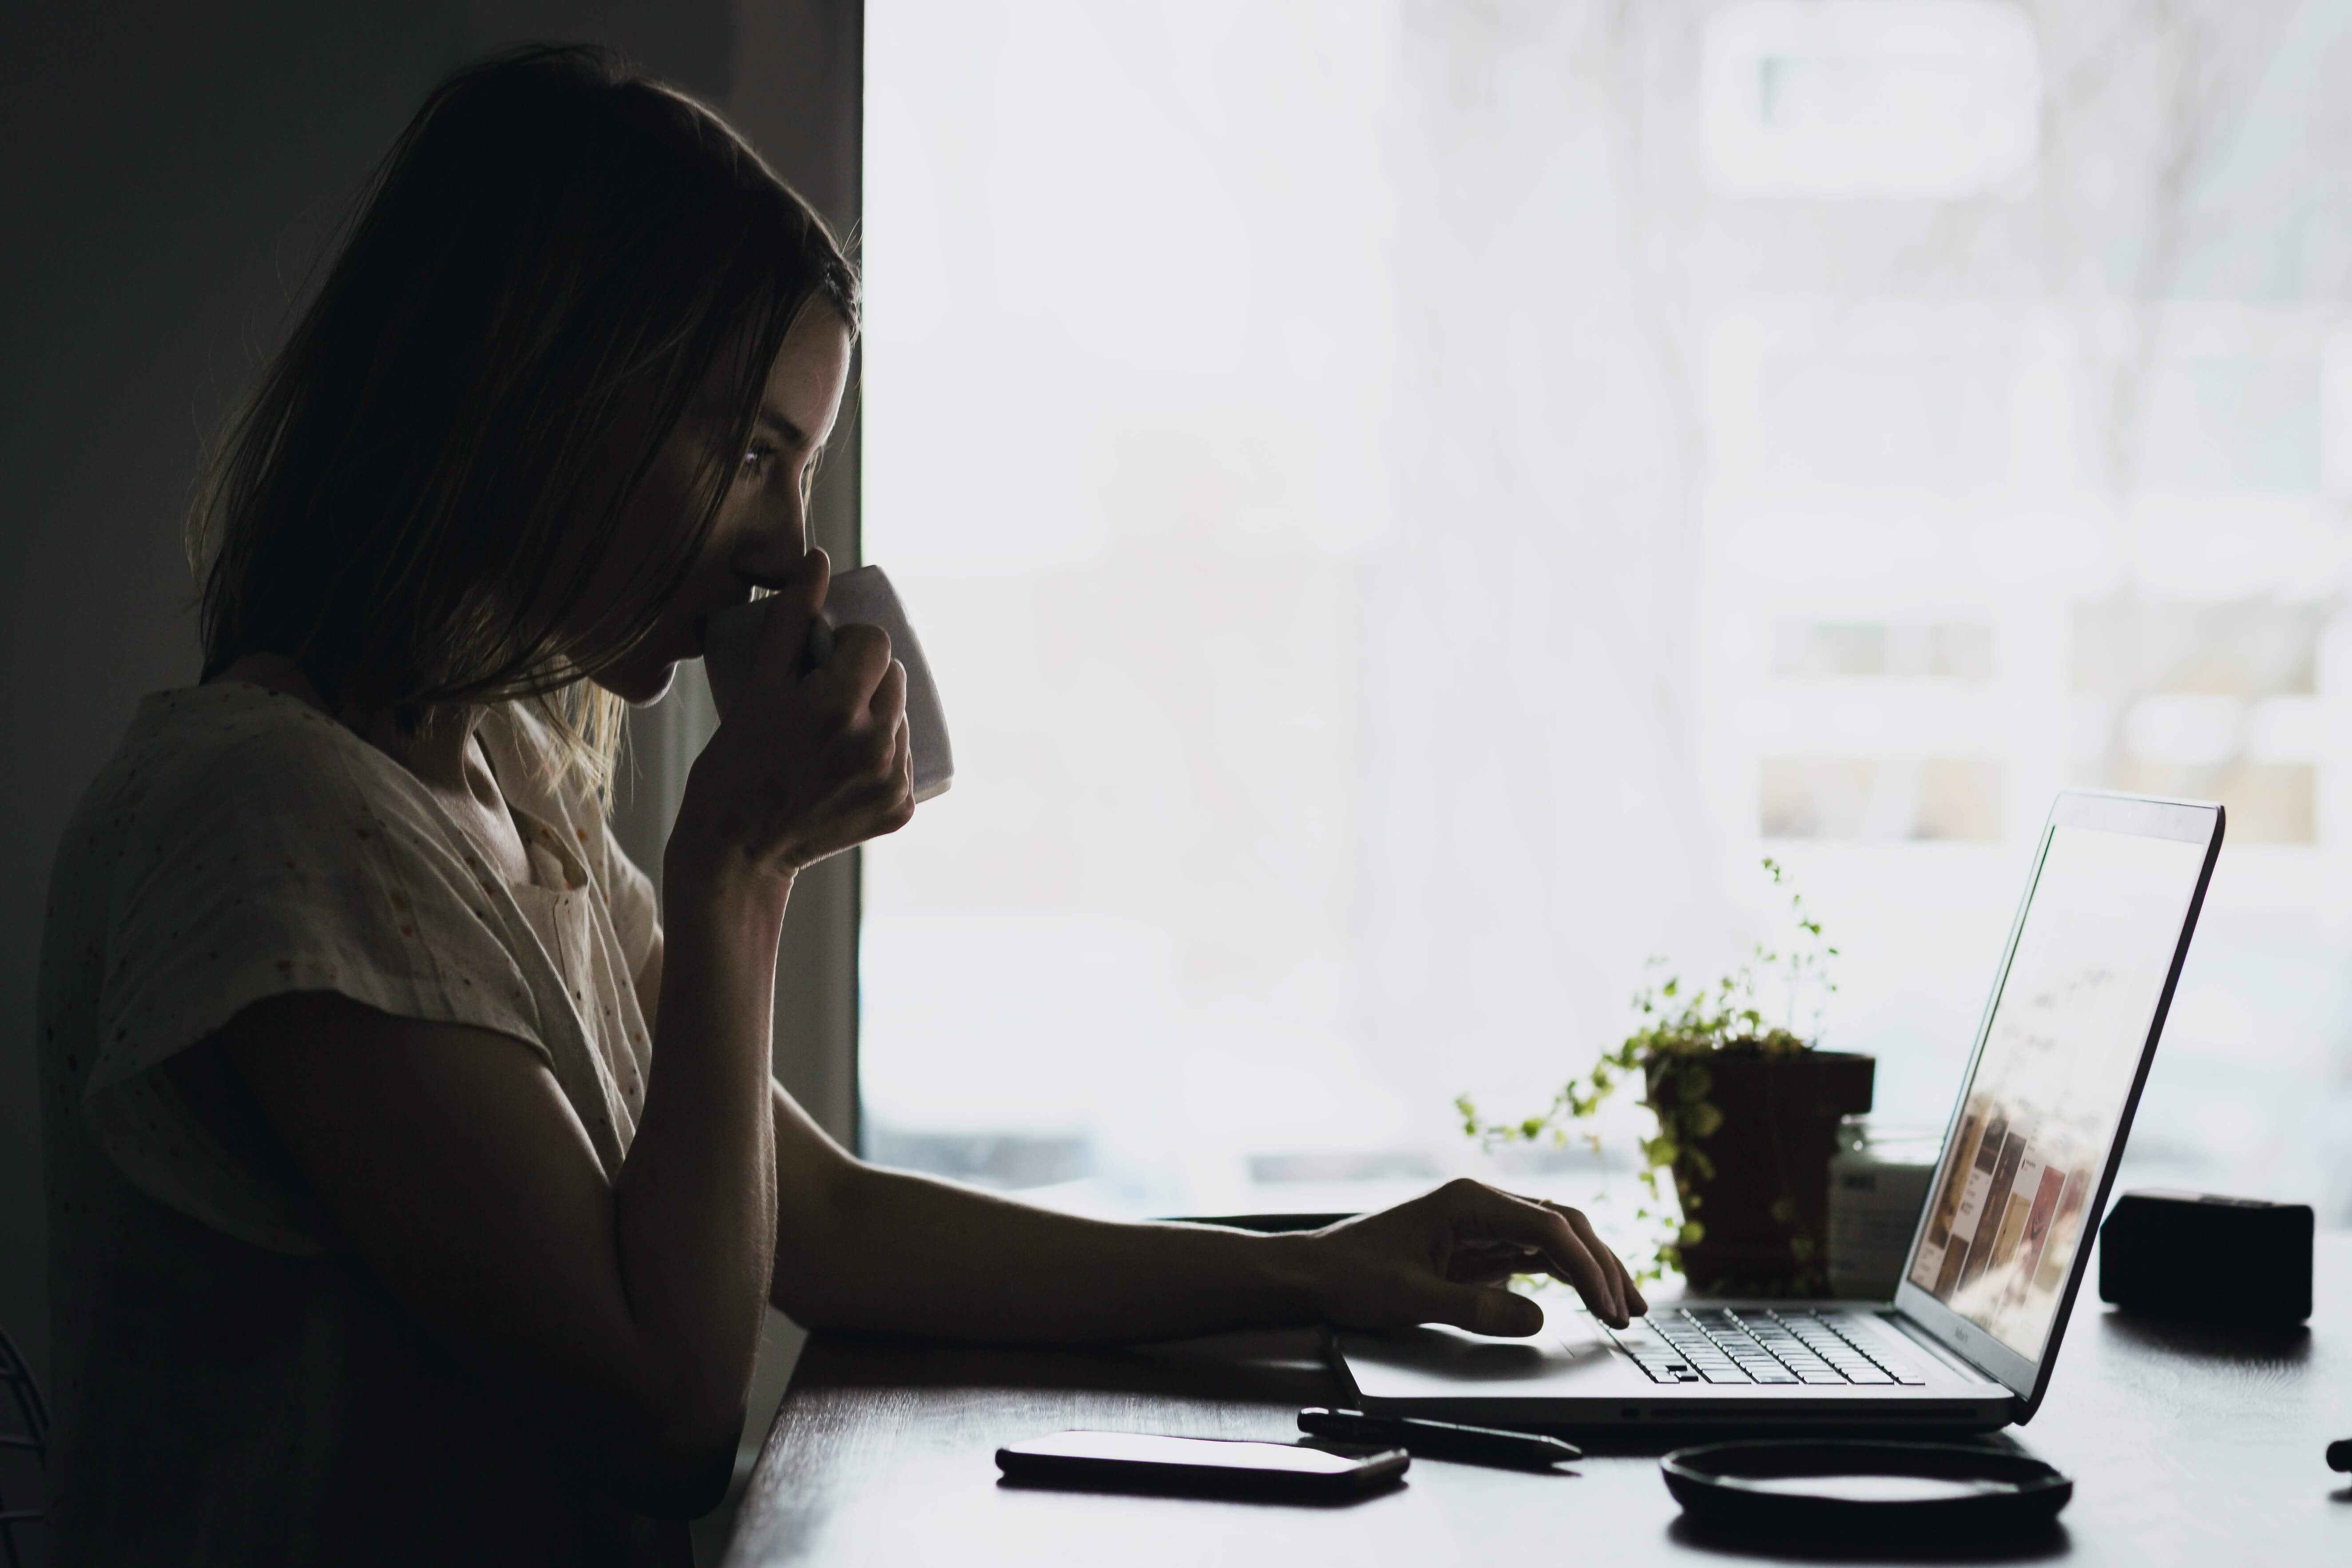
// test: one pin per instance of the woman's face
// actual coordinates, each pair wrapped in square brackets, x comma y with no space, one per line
[762,531]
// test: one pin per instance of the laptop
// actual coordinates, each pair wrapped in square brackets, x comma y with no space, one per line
[1998,1253]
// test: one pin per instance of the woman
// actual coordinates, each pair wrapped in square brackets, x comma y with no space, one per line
[417,1194]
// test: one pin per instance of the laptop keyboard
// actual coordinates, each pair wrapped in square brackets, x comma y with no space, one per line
[1719,1344]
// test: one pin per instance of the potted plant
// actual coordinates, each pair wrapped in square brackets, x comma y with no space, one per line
[1747,1114]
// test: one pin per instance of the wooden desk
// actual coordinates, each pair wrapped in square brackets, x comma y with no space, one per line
[2188,1445]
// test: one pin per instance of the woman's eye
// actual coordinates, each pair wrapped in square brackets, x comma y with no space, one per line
[756,460]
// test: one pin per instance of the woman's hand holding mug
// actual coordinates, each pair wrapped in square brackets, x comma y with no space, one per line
[807,761]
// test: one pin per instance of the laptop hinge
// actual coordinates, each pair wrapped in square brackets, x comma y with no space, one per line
[1953,1360]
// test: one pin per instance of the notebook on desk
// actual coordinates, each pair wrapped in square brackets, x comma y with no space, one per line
[2078,1003]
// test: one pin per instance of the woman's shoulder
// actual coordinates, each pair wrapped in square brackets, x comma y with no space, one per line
[228,766]
[230,745]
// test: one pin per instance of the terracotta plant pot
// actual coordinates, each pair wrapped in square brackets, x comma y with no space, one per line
[1765,1209]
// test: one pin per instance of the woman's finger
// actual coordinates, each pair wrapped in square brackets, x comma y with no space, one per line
[1627,1295]
[889,703]
[1482,1212]
[860,664]
[784,630]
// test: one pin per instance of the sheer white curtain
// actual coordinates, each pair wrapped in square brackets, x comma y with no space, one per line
[1534,828]
[1301,517]
[1410,501]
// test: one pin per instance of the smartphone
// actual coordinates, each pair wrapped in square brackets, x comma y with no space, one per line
[1213,1467]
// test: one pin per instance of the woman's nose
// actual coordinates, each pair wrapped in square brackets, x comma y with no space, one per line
[768,552]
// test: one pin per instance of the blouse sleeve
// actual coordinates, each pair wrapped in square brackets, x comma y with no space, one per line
[282,862]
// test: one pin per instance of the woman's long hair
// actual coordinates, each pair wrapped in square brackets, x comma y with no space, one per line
[555,258]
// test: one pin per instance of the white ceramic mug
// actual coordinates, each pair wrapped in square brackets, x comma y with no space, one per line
[861,596]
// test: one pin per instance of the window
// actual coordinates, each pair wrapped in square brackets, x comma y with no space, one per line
[1408,503]
[1871,98]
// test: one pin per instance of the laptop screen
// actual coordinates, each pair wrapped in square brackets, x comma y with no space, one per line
[2062,1050]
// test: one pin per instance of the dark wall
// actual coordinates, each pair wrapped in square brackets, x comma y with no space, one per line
[167,171]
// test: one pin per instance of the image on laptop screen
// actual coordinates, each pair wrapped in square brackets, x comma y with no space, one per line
[2060,1053]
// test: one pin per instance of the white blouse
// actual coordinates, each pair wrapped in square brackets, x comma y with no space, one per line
[233,1384]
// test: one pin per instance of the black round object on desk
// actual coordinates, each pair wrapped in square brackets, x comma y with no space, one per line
[1921,1492]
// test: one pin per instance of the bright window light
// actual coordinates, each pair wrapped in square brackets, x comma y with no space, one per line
[1923,98]
[1402,530]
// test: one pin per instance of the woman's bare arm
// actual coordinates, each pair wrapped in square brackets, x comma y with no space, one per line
[468,1182]
[864,1250]
[861,1249]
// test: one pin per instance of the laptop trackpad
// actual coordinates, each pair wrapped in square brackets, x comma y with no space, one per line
[1571,1357]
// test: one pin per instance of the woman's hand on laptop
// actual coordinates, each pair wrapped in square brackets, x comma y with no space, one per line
[1445,1259]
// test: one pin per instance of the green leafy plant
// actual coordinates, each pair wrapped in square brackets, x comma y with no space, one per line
[1679,1027]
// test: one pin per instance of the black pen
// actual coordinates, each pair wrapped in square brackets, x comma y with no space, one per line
[1438,1439]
